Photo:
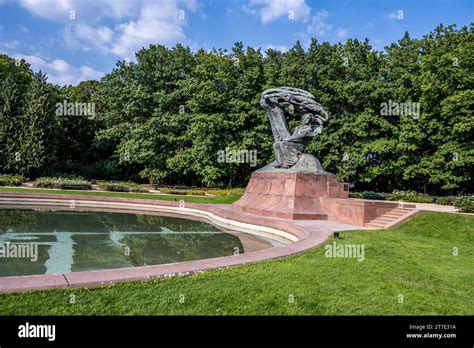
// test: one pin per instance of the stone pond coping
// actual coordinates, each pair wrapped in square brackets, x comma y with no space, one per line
[299,235]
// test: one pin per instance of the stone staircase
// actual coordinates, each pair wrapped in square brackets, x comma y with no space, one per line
[387,219]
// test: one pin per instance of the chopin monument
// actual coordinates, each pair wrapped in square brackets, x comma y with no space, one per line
[289,148]
[294,186]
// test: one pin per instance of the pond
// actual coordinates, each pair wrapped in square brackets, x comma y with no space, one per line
[54,242]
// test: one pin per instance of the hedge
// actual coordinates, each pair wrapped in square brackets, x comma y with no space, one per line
[202,192]
[63,184]
[465,203]
[226,192]
[410,196]
[11,180]
[449,200]
[405,196]
[121,186]
[182,192]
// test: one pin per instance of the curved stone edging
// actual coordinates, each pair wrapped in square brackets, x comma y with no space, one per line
[302,234]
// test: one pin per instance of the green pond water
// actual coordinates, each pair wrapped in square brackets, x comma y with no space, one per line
[52,242]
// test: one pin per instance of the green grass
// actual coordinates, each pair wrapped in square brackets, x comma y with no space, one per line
[414,260]
[214,200]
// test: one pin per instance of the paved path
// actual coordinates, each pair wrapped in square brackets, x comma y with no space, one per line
[436,207]
[427,206]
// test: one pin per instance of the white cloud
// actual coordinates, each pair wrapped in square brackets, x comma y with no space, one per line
[102,34]
[138,22]
[319,25]
[61,72]
[341,33]
[281,48]
[248,10]
[158,23]
[84,10]
[270,10]
[86,37]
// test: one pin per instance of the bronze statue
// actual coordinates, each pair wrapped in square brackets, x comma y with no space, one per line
[289,148]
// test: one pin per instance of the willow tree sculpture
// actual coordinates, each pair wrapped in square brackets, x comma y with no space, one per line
[289,147]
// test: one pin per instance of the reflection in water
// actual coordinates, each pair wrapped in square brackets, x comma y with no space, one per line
[84,241]
[61,254]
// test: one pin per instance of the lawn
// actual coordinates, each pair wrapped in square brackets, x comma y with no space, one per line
[411,270]
[227,199]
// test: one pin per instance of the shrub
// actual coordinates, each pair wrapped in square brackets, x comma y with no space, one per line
[409,196]
[63,184]
[374,195]
[121,186]
[465,203]
[445,200]
[171,191]
[182,192]
[154,176]
[196,192]
[226,192]
[202,192]
[398,195]
[11,180]
[67,176]
[422,199]
[406,196]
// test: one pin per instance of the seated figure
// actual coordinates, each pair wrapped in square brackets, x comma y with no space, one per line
[289,148]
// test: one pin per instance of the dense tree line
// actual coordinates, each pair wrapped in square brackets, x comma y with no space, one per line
[166,117]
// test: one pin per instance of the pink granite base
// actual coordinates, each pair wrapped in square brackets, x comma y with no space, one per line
[308,197]
[292,196]
[357,211]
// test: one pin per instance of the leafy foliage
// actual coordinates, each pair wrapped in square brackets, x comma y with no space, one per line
[409,196]
[11,180]
[63,184]
[121,187]
[165,117]
[465,203]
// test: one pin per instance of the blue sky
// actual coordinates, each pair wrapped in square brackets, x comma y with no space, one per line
[77,40]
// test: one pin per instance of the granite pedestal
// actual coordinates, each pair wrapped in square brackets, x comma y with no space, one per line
[294,196]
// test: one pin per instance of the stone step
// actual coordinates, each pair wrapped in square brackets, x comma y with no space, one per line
[383,219]
[403,209]
[400,212]
[376,225]
[397,212]
[393,215]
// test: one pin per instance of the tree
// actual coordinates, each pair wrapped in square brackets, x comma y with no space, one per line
[168,115]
